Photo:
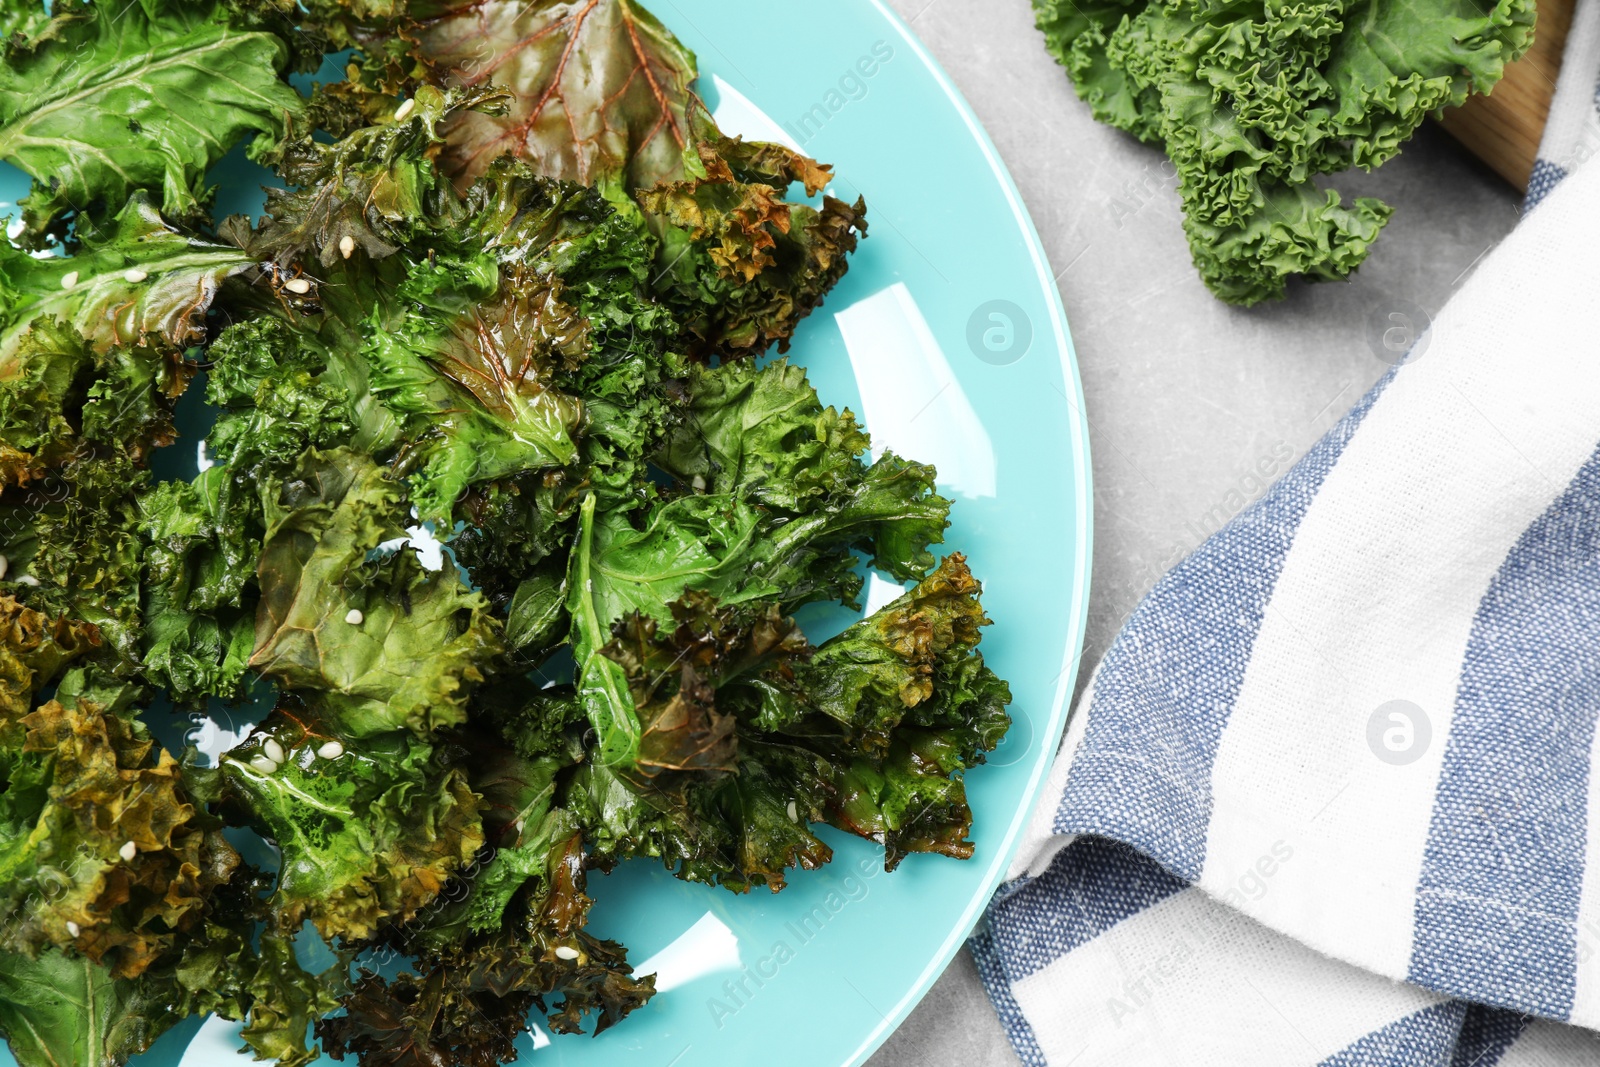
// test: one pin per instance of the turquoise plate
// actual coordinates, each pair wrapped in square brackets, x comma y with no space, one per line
[948,338]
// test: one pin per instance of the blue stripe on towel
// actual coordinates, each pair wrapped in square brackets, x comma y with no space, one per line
[1090,886]
[1497,900]
[1486,1035]
[1426,1038]
[1545,177]
[1164,691]
[992,973]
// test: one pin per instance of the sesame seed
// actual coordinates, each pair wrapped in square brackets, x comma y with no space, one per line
[298,286]
[566,952]
[28,579]
[404,111]
[331,750]
[354,617]
[347,246]
[264,765]
[73,928]
[272,750]
[134,276]
[69,279]
[5,565]
[794,814]
[128,851]
[699,483]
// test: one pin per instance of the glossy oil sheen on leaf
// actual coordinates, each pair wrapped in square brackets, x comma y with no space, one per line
[601,89]
[137,96]
[368,838]
[137,280]
[58,1010]
[422,640]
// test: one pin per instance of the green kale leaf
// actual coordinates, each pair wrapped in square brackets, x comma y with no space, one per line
[57,1009]
[369,833]
[1252,103]
[134,281]
[377,642]
[102,850]
[139,96]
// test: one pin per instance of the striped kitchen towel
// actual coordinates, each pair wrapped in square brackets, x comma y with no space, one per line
[1333,795]
[1572,130]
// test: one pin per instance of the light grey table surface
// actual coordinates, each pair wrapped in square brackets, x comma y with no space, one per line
[1184,394]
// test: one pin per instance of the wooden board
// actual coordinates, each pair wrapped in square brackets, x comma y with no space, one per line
[1503,128]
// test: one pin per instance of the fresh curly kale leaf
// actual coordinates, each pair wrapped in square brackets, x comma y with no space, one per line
[376,642]
[370,831]
[1251,103]
[138,96]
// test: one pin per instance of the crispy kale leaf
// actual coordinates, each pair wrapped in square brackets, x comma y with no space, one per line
[90,361]
[749,733]
[134,281]
[103,851]
[1252,102]
[784,501]
[369,835]
[75,428]
[57,1009]
[374,188]
[502,304]
[887,711]
[510,940]
[471,370]
[111,99]
[740,264]
[278,398]
[599,90]
[782,495]
[377,642]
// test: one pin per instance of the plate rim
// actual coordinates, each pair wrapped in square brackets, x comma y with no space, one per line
[1048,739]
